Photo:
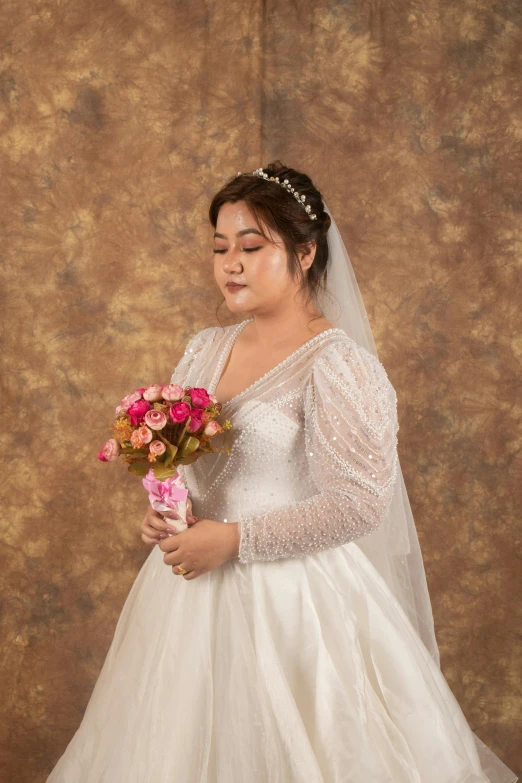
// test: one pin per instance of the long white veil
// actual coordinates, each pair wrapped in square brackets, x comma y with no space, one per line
[393,549]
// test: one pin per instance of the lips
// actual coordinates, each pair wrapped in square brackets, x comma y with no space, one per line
[235,285]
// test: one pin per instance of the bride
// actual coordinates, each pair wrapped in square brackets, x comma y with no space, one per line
[286,636]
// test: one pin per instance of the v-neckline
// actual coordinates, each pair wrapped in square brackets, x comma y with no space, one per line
[228,350]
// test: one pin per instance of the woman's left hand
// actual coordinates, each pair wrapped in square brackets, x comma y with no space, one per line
[203,546]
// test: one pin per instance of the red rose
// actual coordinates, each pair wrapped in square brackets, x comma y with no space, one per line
[199,397]
[137,411]
[179,412]
[195,419]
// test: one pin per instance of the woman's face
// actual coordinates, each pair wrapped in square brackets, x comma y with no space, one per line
[243,255]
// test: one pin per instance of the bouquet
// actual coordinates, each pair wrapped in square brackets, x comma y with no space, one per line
[158,428]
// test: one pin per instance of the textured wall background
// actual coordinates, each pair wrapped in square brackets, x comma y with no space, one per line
[118,121]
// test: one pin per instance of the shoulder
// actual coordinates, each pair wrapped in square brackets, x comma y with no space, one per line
[201,338]
[194,350]
[346,369]
[346,357]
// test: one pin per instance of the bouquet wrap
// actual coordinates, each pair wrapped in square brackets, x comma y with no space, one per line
[167,496]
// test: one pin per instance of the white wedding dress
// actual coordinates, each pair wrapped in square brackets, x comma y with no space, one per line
[293,663]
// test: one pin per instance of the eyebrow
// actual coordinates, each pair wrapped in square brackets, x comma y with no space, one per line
[240,233]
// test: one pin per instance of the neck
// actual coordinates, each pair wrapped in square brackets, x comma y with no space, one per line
[284,327]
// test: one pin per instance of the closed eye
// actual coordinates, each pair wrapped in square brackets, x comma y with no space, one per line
[245,250]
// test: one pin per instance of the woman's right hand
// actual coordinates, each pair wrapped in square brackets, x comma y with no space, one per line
[154,526]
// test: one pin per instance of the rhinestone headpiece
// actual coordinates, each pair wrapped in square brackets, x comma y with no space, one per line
[287,186]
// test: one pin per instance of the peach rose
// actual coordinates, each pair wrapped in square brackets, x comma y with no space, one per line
[173,392]
[110,451]
[145,434]
[154,419]
[128,400]
[153,393]
[212,428]
[157,447]
[135,439]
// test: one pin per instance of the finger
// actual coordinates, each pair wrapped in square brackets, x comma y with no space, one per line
[152,532]
[151,512]
[148,540]
[158,524]
[191,575]
[171,514]
[173,559]
[169,545]
[187,575]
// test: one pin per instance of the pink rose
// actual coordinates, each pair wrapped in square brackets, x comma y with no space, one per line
[155,419]
[173,392]
[110,451]
[212,428]
[141,390]
[145,434]
[137,411]
[199,397]
[195,420]
[157,447]
[128,400]
[179,412]
[153,393]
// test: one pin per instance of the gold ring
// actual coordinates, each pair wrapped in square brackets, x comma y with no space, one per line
[181,570]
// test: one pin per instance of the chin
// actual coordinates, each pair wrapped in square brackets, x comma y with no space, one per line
[238,308]
[235,306]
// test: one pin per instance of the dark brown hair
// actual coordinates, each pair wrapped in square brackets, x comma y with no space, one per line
[277,209]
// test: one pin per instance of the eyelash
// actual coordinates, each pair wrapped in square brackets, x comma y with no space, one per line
[246,250]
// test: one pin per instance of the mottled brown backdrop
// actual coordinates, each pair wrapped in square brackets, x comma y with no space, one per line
[118,121]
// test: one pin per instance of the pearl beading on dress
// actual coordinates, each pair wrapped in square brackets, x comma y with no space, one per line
[228,348]
[351,445]
[321,426]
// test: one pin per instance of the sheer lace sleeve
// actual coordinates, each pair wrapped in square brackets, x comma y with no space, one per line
[194,346]
[351,448]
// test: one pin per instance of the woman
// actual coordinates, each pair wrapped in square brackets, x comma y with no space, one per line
[298,646]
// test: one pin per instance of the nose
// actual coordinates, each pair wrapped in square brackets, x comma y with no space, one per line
[231,260]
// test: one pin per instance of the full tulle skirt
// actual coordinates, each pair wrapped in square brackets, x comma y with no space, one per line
[302,670]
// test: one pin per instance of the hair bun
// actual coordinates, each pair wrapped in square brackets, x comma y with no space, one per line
[327,223]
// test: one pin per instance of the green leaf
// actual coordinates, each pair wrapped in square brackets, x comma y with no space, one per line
[140,468]
[187,447]
[161,472]
[170,454]
[132,450]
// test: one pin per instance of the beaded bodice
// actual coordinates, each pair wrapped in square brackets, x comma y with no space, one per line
[313,456]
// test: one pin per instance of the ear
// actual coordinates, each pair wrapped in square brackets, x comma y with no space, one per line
[307,255]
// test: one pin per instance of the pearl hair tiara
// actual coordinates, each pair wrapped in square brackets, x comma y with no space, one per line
[287,186]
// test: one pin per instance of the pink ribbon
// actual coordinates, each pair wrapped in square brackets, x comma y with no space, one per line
[170,491]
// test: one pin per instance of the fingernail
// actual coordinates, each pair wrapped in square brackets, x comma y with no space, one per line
[170,530]
[163,535]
